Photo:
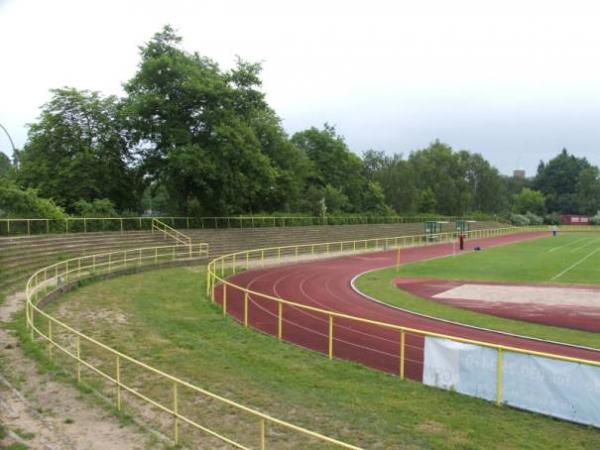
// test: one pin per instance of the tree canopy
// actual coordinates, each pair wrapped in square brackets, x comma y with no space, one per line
[191,138]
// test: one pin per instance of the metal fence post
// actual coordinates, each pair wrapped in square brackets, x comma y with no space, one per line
[279,320]
[49,338]
[246,309]
[118,384]
[330,336]
[176,413]
[402,350]
[78,350]
[263,434]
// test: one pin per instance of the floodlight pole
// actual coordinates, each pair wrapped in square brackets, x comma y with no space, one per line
[14,149]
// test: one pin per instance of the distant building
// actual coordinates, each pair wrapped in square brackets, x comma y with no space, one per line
[574,219]
[519,173]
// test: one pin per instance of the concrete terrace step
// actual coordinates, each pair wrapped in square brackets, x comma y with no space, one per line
[20,256]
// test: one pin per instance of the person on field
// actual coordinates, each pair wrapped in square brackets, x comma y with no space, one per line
[554,230]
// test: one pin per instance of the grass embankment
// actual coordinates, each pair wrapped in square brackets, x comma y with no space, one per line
[568,258]
[163,319]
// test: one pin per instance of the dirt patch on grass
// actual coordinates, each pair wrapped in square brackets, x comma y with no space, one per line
[54,415]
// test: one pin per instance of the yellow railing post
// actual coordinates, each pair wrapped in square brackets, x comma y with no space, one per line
[32,322]
[233,263]
[263,434]
[208,271]
[222,265]
[118,373]
[78,350]
[402,350]
[499,377]
[246,308]
[175,413]
[330,336]
[279,320]
[49,338]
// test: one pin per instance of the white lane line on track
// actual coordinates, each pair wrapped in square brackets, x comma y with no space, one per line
[317,318]
[309,314]
[320,319]
[553,249]
[575,264]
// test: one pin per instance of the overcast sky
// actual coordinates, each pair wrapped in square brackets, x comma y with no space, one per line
[513,80]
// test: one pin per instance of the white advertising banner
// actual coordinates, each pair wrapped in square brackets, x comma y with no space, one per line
[561,389]
[465,368]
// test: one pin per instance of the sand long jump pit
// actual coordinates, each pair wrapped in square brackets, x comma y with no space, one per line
[569,306]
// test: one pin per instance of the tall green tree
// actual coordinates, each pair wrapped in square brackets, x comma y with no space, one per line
[486,189]
[396,178]
[442,171]
[208,135]
[77,150]
[529,200]
[557,180]
[339,168]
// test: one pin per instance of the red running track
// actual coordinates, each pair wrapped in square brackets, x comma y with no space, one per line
[326,284]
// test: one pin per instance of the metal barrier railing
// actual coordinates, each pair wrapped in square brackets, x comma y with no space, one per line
[218,267]
[9,227]
[170,232]
[43,326]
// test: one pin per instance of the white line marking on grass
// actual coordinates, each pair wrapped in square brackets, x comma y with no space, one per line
[572,266]
[586,244]
[553,249]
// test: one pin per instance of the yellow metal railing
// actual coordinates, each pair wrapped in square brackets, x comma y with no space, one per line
[231,263]
[46,328]
[11,227]
[171,232]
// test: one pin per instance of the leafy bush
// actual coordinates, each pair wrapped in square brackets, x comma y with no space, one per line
[533,218]
[595,220]
[552,219]
[25,203]
[519,220]
[98,208]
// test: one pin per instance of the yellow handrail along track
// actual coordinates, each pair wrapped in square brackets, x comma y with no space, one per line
[231,263]
[46,328]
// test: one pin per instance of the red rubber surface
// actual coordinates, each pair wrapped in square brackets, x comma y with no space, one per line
[568,315]
[326,284]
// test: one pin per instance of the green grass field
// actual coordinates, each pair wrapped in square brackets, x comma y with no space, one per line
[163,319]
[567,258]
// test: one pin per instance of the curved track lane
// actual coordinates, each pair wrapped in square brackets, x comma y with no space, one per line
[326,284]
